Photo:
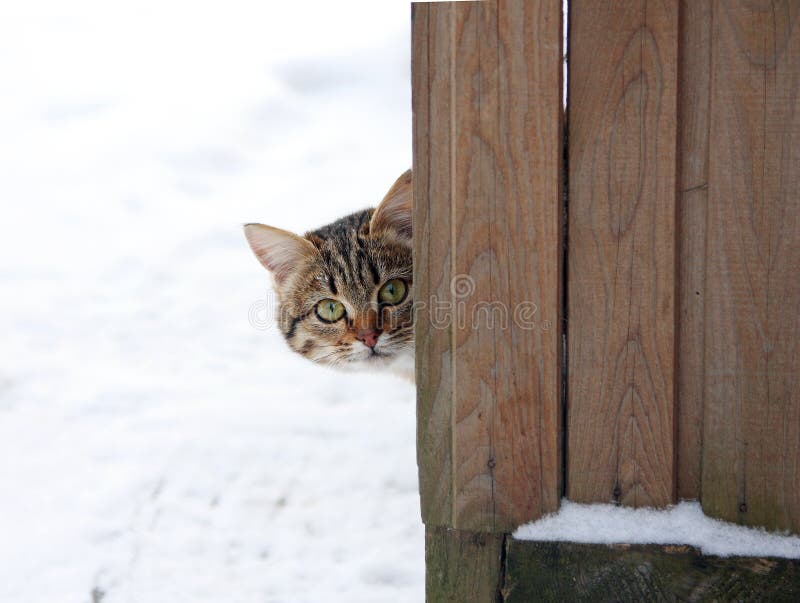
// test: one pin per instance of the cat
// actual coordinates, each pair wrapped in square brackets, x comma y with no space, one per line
[345,290]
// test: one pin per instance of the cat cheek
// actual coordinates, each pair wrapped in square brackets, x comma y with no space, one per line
[396,318]
[388,319]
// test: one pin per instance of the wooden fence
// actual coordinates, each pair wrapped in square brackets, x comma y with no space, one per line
[636,340]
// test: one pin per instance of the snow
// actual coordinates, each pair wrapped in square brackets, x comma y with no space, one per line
[683,523]
[158,442]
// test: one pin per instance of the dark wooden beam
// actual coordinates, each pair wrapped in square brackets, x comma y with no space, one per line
[565,571]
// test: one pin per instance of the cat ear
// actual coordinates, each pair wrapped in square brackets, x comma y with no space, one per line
[394,212]
[279,251]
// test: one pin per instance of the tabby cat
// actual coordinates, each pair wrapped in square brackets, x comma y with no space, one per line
[345,290]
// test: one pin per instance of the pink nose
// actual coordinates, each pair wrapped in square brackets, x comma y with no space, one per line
[369,337]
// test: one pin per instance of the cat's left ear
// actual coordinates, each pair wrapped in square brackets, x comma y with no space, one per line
[394,212]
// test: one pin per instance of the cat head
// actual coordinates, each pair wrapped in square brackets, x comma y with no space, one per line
[345,290]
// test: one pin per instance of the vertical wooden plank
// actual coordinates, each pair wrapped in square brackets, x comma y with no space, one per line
[693,126]
[622,254]
[505,454]
[487,213]
[530,211]
[432,68]
[475,262]
[751,438]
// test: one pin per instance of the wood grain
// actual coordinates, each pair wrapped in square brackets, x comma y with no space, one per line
[462,566]
[487,174]
[568,571]
[693,126]
[622,252]
[431,101]
[751,435]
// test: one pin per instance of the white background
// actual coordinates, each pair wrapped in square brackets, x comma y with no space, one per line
[154,445]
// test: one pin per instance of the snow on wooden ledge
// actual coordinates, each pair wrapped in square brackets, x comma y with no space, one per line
[684,523]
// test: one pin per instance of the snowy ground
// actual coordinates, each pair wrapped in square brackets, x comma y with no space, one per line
[154,444]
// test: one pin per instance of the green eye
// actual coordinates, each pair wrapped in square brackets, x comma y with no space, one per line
[392,292]
[330,310]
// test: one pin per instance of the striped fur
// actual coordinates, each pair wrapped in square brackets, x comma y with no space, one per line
[353,258]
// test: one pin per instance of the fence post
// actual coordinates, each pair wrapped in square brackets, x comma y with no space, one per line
[487,254]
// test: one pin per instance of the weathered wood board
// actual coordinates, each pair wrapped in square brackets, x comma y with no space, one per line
[751,427]
[462,566]
[622,252]
[694,90]
[487,196]
[432,101]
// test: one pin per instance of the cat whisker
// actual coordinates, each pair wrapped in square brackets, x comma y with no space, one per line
[335,355]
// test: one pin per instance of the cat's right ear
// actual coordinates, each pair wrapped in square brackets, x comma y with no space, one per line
[279,251]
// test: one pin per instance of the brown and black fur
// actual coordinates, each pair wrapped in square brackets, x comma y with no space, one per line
[351,259]
[351,267]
